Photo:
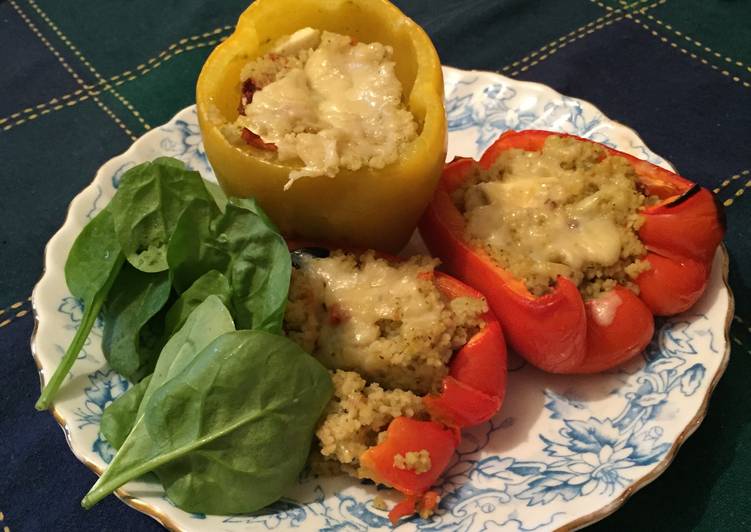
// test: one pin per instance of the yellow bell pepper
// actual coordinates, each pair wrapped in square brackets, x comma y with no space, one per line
[367,208]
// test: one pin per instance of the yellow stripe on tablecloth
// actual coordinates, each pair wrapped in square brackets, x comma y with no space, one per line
[583,33]
[16,311]
[89,90]
[587,29]
[698,43]
[67,67]
[692,55]
[107,86]
[731,179]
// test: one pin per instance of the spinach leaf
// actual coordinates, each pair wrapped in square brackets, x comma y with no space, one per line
[250,204]
[220,198]
[120,416]
[150,200]
[209,320]
[231,432]
[210,283]
[169,161]
[134,299]
[92,266]
[241,244]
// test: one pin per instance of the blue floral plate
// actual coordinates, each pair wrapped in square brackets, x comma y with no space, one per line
[564,451]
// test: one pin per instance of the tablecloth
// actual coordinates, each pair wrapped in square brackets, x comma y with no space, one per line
[82,79]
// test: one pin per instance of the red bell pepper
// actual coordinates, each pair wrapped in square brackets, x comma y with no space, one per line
[405,435]
[410,435]
[471,394]
[423,504]
[474,389]
[559,332]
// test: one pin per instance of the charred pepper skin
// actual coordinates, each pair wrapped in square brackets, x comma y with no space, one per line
[367,208]
[558,332]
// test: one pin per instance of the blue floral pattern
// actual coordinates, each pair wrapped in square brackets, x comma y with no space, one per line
[106,386]
[490,108]
[556,451]
[95,207]
[118,174]
[182,140]
[582,454]
[73,308]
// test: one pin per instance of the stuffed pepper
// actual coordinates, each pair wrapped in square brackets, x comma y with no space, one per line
[414,355]
[331,115]
[575,245]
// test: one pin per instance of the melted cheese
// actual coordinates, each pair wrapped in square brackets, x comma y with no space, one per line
[521,212]
[565,210]
[341,109]
[377,291]
[604,307]
[386,321]
[303,39]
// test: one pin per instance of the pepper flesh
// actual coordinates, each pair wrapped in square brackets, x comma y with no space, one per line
[405,435]
[366,208]
[471,394]
[558,332]
[476,385]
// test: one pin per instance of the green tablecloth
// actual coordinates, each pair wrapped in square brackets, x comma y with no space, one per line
[82,79]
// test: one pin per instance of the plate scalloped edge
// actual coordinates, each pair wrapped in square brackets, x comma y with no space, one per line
[691,427]
[458,122]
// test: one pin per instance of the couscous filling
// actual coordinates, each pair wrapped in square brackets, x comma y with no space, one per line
[417,461]
[356,417]
[387,334]
[386,321]
[325,100]
[570,209]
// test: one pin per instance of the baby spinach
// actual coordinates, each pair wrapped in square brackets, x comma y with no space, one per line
[231,431]
[134,299]
[226,418]
[220,198]
[148,203]
[120,416]
[210,283]
[90,270]
[209,320]
[245,247]
[250,204]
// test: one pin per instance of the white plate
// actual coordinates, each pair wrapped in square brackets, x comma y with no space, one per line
[563,452]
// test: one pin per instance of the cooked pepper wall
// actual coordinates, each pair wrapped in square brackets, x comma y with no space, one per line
[558,332]
[366,208]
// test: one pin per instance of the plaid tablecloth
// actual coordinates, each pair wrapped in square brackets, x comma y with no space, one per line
[80,80]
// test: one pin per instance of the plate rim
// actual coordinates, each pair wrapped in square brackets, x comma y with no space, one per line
[601,513]
[691,426]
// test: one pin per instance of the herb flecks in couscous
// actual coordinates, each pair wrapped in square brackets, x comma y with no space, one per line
[357,414]
[570,209]
[387,334]
[386,321]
